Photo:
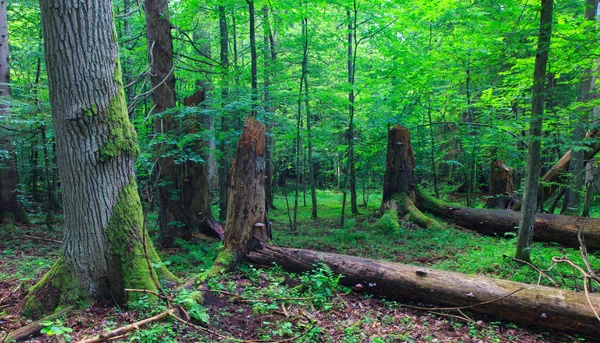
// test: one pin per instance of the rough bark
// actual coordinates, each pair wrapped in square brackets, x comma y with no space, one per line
[96,150]
[547,227]
[533,165]
[9,206]
[508,300]
[195,191]
[172,222]
[246,207]
[225,155]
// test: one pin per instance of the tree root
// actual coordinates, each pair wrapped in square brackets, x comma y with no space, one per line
[35,327]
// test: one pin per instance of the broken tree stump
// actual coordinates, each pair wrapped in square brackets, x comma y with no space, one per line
[399,182]
[246,206]
[501,187]
[508,300]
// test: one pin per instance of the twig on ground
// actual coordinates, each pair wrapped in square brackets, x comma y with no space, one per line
[128,328]
[536,269]
[43,239]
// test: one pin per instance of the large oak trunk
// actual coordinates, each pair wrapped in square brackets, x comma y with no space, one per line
[246,205]
[519,302]
[103,250]
[547,227]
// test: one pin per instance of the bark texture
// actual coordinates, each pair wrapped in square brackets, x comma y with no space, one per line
[519,302]
[9,206]
[538,97]
[246,207]
[96,150]
[160,55]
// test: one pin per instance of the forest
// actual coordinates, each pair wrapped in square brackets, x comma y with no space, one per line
[299,171]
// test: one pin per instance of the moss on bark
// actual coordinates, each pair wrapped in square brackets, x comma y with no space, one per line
[121,134]
[124,233]
[388,223]
[58,288]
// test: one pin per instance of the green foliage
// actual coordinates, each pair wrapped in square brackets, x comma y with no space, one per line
[192,302]
[56,328]
[159,332]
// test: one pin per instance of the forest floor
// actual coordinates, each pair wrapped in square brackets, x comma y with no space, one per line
[253,304]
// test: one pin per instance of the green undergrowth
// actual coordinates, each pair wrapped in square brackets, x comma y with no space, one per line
[446,248]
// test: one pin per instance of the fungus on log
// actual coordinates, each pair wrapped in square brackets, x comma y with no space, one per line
[246,206]
[515,301]
[399,182]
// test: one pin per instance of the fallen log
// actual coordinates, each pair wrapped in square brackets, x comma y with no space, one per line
[547,228]
[508,300]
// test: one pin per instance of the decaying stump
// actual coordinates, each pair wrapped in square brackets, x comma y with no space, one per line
[501,187]
[550,180]
[547,227]
[519,302]
[399,182]
[246,210]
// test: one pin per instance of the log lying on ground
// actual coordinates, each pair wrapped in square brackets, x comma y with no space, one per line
[548,227]
[519,302]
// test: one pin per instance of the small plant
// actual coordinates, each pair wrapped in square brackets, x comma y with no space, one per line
[57,329]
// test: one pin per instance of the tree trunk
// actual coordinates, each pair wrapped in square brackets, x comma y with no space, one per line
[508,300]
[195,202]
[533,165]
[352,46]
[225,152]
[311,166]
[253,58]
[9,180]
[269,56]
[246,207]
[160,55]
[103,250]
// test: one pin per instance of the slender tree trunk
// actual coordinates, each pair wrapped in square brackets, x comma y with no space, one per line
[253,58]
[160,55]
[269,57]
[525,234]
[103,250]
[225,156]
[311,166]
[35,169]
[9,206]
[352,45]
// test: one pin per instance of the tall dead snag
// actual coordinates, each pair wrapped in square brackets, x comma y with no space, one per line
[515,301]
[501,187]
[551,180]
[399,182]
[547,227]
[246,205]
